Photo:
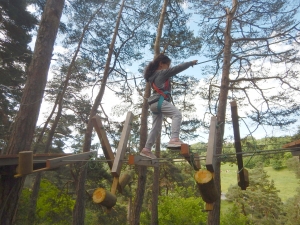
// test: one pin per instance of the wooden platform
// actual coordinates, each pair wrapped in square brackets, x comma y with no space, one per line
[39,162]
[184,150]
[294,144]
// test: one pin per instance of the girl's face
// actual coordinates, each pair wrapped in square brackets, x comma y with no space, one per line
[163,66]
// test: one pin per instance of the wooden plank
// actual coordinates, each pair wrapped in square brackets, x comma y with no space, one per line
[117,165]
[61,161]
[237,144]
[114,186]
[292,144]
[108,153]
[10,160]
[211,146]
[142,161]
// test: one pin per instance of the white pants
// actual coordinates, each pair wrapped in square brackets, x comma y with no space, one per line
[168,110]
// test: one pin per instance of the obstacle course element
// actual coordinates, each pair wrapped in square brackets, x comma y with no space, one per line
[206,185]
[243,178]
[142,161]
[104,197]
[293,145]
[25,163]
[109,199]
[211,145]
[205,178]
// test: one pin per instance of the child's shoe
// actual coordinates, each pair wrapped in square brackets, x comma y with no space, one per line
[173,143]
[147,153]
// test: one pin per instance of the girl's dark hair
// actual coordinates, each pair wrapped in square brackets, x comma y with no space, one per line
[152,66]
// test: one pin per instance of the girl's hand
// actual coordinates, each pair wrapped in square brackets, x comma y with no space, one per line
[194,62]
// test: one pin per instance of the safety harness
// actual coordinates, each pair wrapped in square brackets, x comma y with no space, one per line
[164,95]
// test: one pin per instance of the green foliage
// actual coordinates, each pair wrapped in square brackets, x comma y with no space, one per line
[292,209]
[174,210]
[260,202]
[234,216]
[16,23]
[54,206]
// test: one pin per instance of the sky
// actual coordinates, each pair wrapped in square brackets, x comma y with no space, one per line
[110,100]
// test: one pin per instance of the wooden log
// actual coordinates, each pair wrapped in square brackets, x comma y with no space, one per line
[105,198]
[25,163]
[206,185]
[245,177]
[125,179]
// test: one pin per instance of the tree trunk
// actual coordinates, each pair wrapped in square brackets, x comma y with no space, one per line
[59,102]
[155,186]
[23,129]
[214,215]
[142,170]
[78,212]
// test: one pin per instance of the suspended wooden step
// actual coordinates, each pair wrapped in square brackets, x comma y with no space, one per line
[142,161]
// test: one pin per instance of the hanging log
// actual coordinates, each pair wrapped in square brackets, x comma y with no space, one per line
[246,178]
[125,179]
[104,198]
[206,185]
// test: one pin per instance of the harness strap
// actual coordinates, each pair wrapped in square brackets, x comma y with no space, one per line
[163,96]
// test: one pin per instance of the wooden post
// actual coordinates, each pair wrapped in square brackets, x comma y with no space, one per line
[104,197]
[117,165]
[108,153]
[206,185]
[211,146]
[25,163]
[237,144]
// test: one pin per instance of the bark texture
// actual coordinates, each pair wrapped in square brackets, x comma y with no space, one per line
[23,129]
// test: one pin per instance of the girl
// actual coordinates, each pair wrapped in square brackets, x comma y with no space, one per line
[158,73]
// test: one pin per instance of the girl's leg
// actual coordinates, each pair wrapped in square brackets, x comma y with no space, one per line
[169,110]
[156,128]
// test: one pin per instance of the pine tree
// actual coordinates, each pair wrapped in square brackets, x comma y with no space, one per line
[260,201]
[16,23]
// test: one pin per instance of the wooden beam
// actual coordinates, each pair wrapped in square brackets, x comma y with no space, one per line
[211,146]
[237,144]
[142,161]
[115,185]
[291,145]
[61,161]
[10,160]
[117,165]
[108,153]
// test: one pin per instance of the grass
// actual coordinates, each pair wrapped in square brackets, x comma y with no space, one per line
[285,180]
